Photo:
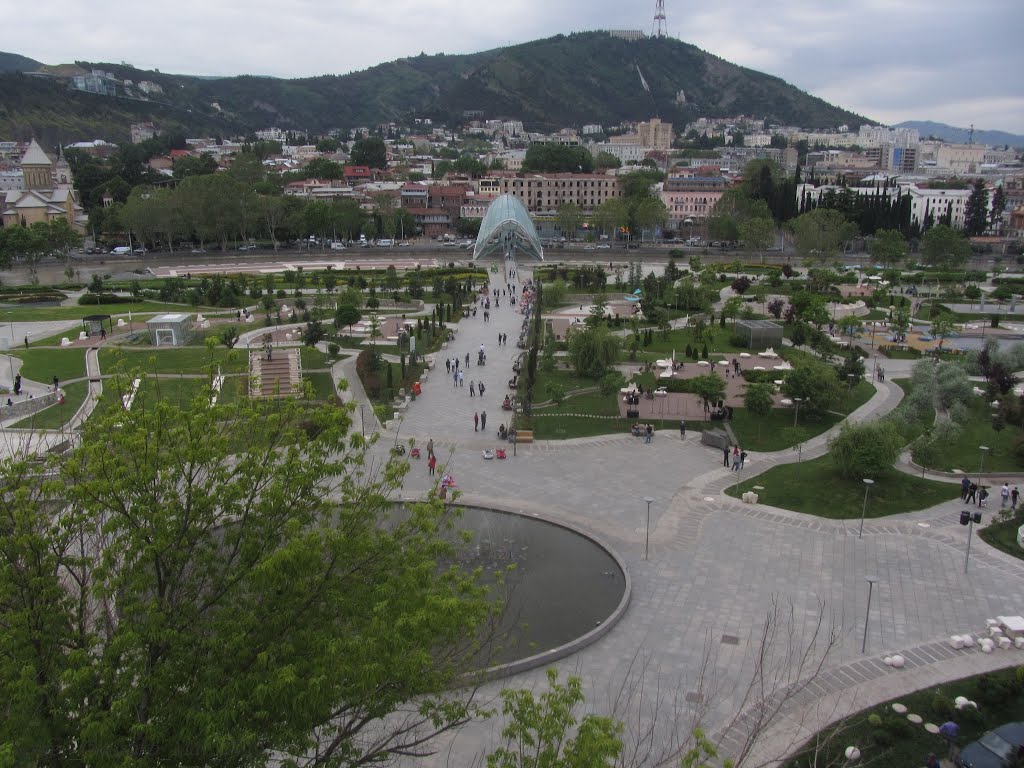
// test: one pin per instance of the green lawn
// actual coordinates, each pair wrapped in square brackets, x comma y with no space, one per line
[718,339]
[313,358]
[560,427]
[77,312]
[815,487]
[776,430]
[42,365]
[173,360]
[323,384]
[895,741]
[58,415]
[1003,536]
[591,403]
[963,452]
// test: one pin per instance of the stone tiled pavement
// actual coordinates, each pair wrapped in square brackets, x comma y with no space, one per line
[715,564]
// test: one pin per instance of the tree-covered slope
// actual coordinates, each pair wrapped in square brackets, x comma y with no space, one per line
[560,81]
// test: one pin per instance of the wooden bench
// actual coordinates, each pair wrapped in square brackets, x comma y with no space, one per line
[524,435]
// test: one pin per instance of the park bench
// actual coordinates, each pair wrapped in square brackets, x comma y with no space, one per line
[524,435]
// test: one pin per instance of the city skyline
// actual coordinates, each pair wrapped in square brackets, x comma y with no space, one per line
[888,61]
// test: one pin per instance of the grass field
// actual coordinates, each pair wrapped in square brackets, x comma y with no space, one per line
[77,312]
[323,384]
[816,487]
[891,740]
[58,415]
[963,453]
[173,360]
[776,431]
[41,364]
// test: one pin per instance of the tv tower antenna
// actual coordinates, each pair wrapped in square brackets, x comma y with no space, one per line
[659,19]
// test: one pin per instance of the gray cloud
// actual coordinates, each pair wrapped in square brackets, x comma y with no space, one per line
[890,60]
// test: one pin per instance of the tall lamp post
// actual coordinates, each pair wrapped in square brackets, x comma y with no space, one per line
[864,510]
[867,613]
[981,470]
[647,532]
[796,413]
[969,519]
[851,377]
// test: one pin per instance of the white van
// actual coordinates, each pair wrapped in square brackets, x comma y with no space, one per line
[337,245]
[121,250]
[385,242]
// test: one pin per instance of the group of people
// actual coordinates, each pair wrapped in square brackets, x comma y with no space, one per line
[738,457]
[973,493]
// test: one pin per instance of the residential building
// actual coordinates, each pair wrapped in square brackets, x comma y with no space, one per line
[956,159]
[692,196]
[271,134]
[545,193]
[432,222]
[476,206]
[96,147]
[890,157]
[627,154]
[1017,222]
[924,202]
[318,189]
[590,130]
[149,88]
[11,179]
[448,198]
[655,134]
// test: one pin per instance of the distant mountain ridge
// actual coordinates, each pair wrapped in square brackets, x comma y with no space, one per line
[12,62]
[961,135]
[566,80]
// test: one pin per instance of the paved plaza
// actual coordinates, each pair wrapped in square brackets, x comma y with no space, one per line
[715,564]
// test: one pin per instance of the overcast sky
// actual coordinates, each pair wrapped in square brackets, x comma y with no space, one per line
[890,60]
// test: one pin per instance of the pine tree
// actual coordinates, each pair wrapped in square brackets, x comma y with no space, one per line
[976,211]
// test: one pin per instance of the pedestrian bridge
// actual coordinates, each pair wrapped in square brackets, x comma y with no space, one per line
[507,229]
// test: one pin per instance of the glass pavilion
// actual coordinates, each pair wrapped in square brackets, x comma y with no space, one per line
[507,229]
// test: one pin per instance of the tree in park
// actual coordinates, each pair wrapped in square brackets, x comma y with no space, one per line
[888,247]
[229,336]
[741,284]
[313,333]
[944,247]
[995,219]
[775,307]
[867,449]
[710,387]
[758,401]
[167,563]
[592,350]
[757,234]
[569,216]
[815,383]
[371,152]
[821,234]
[976,211]
[942,327]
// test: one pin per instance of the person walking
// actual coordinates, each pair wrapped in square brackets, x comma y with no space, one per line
[432,464]
[743,458]
[972,493]
[56,383]
[455,379]
[1004,493]
[648,434]
[476,422]
[725,456]
[430,447]
[682,429]
[483,421]
[448,364]
[481,386]
[462,378]
[1014,498]
[472,389]
[736,459]
[17,384]
[965,486]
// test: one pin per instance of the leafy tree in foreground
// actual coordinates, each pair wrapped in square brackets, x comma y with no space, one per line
[945,247]
[759,401]
[888,247]
[202,586]
[816,383]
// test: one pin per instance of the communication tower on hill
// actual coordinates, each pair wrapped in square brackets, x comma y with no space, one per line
[659,19]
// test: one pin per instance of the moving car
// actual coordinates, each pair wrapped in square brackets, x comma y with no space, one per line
[996,749]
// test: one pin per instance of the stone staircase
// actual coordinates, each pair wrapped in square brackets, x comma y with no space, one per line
[280,376]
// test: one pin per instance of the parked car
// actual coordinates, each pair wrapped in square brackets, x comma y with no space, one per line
[198,250]
[247,247]
[998,748]
[603,246]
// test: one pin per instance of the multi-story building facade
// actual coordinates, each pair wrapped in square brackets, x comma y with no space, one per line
[692,196]
[543,194]
[141,132]
[627,154]
[655,134]
[925,203]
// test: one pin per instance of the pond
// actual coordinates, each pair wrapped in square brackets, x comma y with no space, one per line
[562,585]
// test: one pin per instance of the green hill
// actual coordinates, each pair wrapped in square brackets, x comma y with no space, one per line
[12,62]
[560,81]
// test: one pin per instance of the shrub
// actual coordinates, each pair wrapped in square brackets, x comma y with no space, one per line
[103,298]
[333,349]
[866,450]
[942,707]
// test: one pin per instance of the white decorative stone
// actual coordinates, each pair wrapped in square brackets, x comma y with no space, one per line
[960,701]
[899,709]
[1004,643]
[1018,642]
[81,336]
[995,631]
[986,645]
[968,641]
[120,322]
[956,641]
[852,754]
[887,661]
[65,342]
[931,727]
[991,623]
[915,719]
[898,661]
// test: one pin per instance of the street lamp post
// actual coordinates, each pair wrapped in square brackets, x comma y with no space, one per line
[864,510]
[647,533]
[851,377]
[796,413]
[981,471]
[867,613]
